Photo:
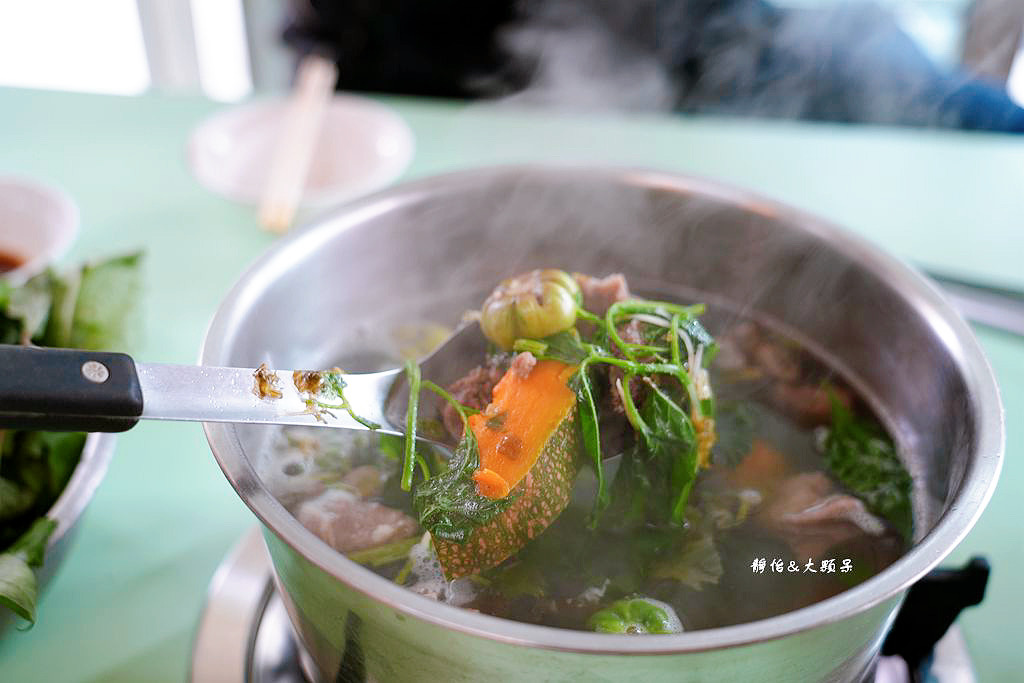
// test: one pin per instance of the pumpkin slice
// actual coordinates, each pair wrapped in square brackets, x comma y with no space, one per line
[529,442]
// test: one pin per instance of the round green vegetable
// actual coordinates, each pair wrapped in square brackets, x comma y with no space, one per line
[635,615]
[533,305]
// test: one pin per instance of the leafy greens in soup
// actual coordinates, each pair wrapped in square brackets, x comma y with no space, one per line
[598,481]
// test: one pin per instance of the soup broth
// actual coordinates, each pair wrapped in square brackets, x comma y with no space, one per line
[802,498]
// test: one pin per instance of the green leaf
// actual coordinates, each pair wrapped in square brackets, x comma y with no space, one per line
[518,579]
[44,461]
[15,499]
[62,310]
[448,505]
[385,554]
[32,545]
[97,307]
[863,458]
[30,305]
[631,493]
[18,585]
[735,424]
[412,374]
[671,439]
[695,564]
[332,388]
[700,335]
[18,588]
[589,426]
[64,450]
[566,347]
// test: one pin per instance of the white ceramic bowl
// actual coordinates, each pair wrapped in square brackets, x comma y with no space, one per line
[362,146]
[37,225]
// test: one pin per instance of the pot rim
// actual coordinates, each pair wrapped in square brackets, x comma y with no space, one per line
[959,517]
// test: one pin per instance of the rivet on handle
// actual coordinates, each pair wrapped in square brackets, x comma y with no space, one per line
[94,371]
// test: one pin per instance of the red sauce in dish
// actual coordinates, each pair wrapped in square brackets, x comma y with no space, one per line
[9,261]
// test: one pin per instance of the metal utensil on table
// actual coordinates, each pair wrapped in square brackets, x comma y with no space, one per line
[995,307]
[65,389]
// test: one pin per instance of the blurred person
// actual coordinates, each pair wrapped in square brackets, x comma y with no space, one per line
[844,62]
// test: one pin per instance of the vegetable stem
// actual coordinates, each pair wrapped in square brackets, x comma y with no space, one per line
[336,383]
[674,340]
[412,372]
[535,347]
[613,333]
[385,554]
[632,414]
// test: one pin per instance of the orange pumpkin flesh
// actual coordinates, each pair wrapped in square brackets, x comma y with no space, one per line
[529,444]
[512,430]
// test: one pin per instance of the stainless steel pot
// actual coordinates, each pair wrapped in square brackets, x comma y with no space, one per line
[432,249]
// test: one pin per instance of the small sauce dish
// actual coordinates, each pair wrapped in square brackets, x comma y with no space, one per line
[38,223]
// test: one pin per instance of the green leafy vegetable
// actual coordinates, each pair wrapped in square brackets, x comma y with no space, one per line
[667,435]
[18,589]
[412,372]
[670,437]
[863,458]
[96,307]
[736,423]
[636,615]
[25,308]
[657,347]
[696,564]
[517,579]
[448,505]
[93,307]
[385,554]
[591,432]
[660,468]
[332,387]
[35,468]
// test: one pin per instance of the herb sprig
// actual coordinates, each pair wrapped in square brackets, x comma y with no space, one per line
[674,426]
[667,350]
[447,505]
[863,458]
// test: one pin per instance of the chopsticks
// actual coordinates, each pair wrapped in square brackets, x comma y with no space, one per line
[296,143]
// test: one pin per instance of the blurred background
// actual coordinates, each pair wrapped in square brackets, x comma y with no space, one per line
[226,49]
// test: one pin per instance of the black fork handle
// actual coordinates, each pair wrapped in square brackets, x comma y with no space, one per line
[68,390]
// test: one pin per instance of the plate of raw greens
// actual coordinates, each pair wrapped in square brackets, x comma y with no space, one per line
[47,478]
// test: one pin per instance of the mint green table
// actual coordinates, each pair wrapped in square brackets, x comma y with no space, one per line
[125,605]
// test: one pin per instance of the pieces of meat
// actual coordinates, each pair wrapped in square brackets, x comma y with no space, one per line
[475,389]
[523,364]
[812,517]
[600,293]
[778,361]
[808,404]
[366,480]
[472,390]
[348,523]
[750,352]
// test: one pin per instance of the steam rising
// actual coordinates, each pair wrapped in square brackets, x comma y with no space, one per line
[577,60]
[842,61]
